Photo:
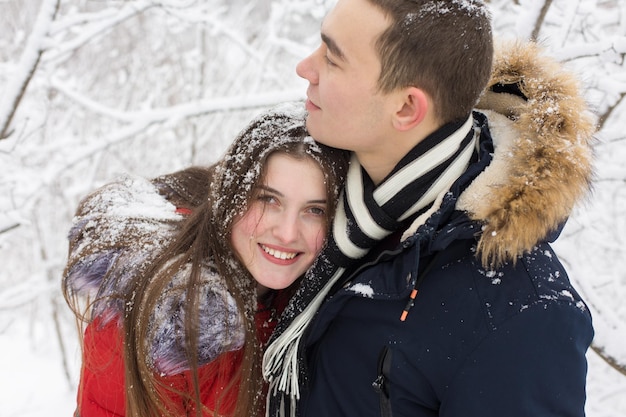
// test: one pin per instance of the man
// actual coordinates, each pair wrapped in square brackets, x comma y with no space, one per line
[438,293]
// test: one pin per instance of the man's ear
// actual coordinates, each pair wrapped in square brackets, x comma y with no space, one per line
[413,107]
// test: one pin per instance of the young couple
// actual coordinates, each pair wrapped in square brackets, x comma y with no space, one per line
[417,280]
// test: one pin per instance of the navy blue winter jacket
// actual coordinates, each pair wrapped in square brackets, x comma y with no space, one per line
[463,349]
[501,341]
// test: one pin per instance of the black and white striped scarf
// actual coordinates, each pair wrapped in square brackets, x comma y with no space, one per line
[365,215]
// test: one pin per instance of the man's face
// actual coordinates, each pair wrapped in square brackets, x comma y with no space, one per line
[345,109]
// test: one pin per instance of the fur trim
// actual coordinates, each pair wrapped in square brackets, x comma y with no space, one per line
[543,133]
[117,232]
[122,223]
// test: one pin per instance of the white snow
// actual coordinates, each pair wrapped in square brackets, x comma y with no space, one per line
[147,87]
[362,289]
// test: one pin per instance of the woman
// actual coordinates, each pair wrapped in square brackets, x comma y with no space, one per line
[186,274]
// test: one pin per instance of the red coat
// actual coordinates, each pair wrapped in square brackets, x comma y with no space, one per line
[102,390]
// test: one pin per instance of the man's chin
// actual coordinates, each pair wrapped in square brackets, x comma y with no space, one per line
[312,126]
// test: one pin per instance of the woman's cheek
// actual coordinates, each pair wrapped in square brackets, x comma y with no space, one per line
[320,239]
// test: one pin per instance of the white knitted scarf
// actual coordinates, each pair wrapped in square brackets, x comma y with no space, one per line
[365,215]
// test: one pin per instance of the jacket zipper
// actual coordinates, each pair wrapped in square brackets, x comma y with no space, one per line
[380,384]
[375,261]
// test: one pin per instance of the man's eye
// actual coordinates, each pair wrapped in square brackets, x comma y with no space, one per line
[329,61]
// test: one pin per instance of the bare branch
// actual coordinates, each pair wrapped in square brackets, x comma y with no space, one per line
[607,114]
[540,19]
[612,361]
[9,228]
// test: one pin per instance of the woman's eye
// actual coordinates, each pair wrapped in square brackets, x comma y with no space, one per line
[318,211]
[329,61]
[267,199]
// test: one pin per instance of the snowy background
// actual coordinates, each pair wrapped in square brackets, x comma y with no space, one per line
[91,89]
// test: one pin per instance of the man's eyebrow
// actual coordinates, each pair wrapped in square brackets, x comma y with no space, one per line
[333,47]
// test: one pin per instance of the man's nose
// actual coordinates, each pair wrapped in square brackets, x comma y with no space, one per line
[307,68]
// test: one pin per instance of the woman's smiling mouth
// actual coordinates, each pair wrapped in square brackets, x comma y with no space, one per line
[278,254]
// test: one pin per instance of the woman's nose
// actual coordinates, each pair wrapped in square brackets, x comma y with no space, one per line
[286,228]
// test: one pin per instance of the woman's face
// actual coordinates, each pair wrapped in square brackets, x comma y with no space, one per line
[282,232]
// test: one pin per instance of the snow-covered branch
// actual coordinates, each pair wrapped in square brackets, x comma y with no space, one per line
[103,25]
[93,89]
[36,45]
[141,121]
[145,118]
[580,50]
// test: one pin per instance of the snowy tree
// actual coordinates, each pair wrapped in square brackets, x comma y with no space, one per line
[96,88]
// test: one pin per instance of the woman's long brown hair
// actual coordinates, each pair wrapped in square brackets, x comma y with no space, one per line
[203,241]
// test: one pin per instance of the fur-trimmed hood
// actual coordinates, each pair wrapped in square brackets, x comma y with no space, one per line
[118,231]
[542,165]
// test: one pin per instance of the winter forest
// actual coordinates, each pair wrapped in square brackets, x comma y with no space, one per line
[92,89]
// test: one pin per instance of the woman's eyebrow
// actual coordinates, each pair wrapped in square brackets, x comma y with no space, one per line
[271,190]
[278,193]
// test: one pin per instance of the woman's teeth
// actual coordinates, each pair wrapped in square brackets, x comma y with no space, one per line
[278,254]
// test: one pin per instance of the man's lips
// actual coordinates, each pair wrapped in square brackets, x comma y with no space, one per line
[309,105]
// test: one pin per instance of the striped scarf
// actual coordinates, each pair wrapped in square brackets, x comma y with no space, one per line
[365,215]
